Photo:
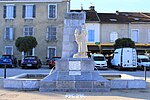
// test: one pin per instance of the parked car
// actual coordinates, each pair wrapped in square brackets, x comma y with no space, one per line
[124,58]
[31,62]
[100,61]
[8,60]
[143,61]
[52,61]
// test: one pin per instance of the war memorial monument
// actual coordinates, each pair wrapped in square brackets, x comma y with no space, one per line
[74,72]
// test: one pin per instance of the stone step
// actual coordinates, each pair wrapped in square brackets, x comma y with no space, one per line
[87,81]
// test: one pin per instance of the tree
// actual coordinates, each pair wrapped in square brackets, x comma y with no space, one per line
[124,42]
[26,43]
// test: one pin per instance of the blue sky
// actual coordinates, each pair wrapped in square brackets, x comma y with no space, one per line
[113,5]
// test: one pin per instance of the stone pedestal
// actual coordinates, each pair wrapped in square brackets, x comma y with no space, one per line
[72,21]
[75,74]
[80,55]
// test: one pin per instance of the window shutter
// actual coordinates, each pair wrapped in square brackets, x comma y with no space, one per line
[11,33]
[14,11]
[23,11]
[54,11]
[6,34]
[91,35]
[9,50]
[34,11]
[4,14]
[53,33]
[47,36]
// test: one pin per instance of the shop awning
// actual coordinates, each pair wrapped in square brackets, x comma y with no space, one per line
[107,48]
[142,48]
[93,48]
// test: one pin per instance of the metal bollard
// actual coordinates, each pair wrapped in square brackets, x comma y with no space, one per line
[145,72]
[5,71]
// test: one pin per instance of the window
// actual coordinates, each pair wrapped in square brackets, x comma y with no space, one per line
[9,11]
[28,31]
[91,35]
[9,50]
[30,52]
[99,58]
[115,52]
[51,52]
[51,33]
[134,35]
[52,11]
[113,36]
[138,60]
[29,11]
[9,33]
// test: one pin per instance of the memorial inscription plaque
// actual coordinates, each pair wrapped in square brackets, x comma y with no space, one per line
[74,68]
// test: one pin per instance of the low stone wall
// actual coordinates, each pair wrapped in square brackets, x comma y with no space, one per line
[49,83]
[20,83]
[126,82]
[1,83]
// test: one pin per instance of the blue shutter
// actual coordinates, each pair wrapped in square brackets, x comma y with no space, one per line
[11,33]
[51,52]
[52,11]
[7,33]
[4,13]
[14,12]
[34,11]
[23,11]
[91,35]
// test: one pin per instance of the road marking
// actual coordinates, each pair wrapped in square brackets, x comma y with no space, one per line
[74,95]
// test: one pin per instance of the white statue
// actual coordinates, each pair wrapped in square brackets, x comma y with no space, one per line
[80,38]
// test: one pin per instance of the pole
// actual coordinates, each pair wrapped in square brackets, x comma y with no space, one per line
[145,72]
[5,71]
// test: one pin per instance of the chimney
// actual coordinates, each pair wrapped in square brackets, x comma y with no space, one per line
[117,12]
[81,7]
[92,8]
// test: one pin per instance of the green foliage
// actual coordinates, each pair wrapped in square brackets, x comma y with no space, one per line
[26,43]
[124,42]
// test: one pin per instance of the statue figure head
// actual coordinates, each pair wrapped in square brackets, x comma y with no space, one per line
[76,31]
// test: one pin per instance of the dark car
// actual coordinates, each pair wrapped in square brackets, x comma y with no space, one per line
[52,61]
[8,60]
[31,62]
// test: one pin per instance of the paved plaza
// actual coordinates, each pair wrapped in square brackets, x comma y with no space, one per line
[7,94]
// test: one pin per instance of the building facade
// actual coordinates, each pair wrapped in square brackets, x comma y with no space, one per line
[132,25]
[43,19]
[104,28]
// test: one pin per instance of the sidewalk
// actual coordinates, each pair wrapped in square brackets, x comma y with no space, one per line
[140,94]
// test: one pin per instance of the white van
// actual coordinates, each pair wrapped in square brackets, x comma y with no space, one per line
[100,61]
[143,61]
[124,58]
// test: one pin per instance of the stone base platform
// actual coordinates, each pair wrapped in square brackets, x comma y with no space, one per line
[75,74]
[86,82]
